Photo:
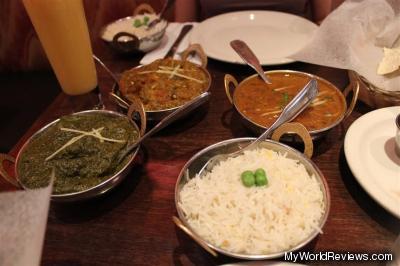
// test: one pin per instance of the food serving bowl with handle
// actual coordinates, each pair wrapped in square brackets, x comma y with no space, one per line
[372,95]
[94,191]
[231,84]
[125,42]
[157,115]
[197,162]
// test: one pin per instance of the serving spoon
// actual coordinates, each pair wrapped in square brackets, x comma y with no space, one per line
[242,49]
[178,113]
[160,15]
[293,109]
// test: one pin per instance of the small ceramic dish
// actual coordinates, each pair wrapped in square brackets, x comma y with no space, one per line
[101,186]
[131,34]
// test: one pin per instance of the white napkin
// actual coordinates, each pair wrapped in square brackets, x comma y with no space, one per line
[23,219]
[171,34]
[353,37]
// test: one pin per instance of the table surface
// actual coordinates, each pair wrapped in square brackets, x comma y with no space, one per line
[131,225]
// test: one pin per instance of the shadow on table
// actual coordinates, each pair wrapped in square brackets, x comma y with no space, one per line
[77,212]
[368,204]
[182,124]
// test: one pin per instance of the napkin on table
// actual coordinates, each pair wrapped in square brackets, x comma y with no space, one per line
[353,36]
[171,34]
[23,219]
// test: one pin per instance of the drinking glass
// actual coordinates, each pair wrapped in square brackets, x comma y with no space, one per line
[62,29]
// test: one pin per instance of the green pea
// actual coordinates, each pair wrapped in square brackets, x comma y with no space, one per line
[146,20]
[260,171]
[137,23]
[248,178]
[261,177]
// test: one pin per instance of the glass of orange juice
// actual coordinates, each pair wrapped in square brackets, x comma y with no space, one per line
[62,29]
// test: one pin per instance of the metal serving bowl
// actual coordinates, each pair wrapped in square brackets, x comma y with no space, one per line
[229,80]
[125,42]
[97,190]
[374,96]
[157,115]
[196,163]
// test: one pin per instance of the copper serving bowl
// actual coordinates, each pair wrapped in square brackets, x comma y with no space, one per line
[231,84]
[197,162]
[156,115]
[374,96]
[94,191]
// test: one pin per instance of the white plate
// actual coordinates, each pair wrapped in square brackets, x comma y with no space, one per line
[273,36]
[369,147]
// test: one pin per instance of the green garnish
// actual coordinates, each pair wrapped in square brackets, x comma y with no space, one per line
[284,100]
[248,178]
[146,20]
[258,178]
[137,23]
[261,177]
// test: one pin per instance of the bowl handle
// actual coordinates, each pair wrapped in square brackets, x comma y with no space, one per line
[228,79]
[3,172]
[199,241]
[143,8]
[137,106]
[299,130]
[196,49]
[354,86]
[132,44]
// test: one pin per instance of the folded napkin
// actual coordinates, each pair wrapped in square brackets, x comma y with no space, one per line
[171,34]
[353,37]
[22,226]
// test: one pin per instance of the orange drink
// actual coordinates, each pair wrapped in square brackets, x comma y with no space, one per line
[62,29]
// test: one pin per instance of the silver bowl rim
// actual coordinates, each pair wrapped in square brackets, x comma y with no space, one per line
[312,132]
[116,89]
[78,194]
[319,175]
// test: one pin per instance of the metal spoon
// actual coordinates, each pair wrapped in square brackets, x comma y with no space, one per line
[178,113]
[293,109]
[160,15]
[249,57]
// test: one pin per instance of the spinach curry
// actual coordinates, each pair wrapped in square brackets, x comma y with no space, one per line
[81,149]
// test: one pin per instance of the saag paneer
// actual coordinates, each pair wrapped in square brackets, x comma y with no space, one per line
[80,149]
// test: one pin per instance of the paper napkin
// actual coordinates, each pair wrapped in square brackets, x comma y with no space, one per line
[23,219]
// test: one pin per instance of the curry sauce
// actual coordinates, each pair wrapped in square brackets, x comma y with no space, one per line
[262,103]
[164,84]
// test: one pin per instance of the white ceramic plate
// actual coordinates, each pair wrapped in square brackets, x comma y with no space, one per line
[273,36]
[369,147]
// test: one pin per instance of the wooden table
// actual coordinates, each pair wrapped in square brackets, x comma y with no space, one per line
[132,224]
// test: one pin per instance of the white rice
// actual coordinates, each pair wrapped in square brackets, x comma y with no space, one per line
[126,25]
[255,220]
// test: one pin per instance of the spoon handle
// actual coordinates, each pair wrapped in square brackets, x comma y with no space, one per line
[178,113]
[249,57]
[294,108]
